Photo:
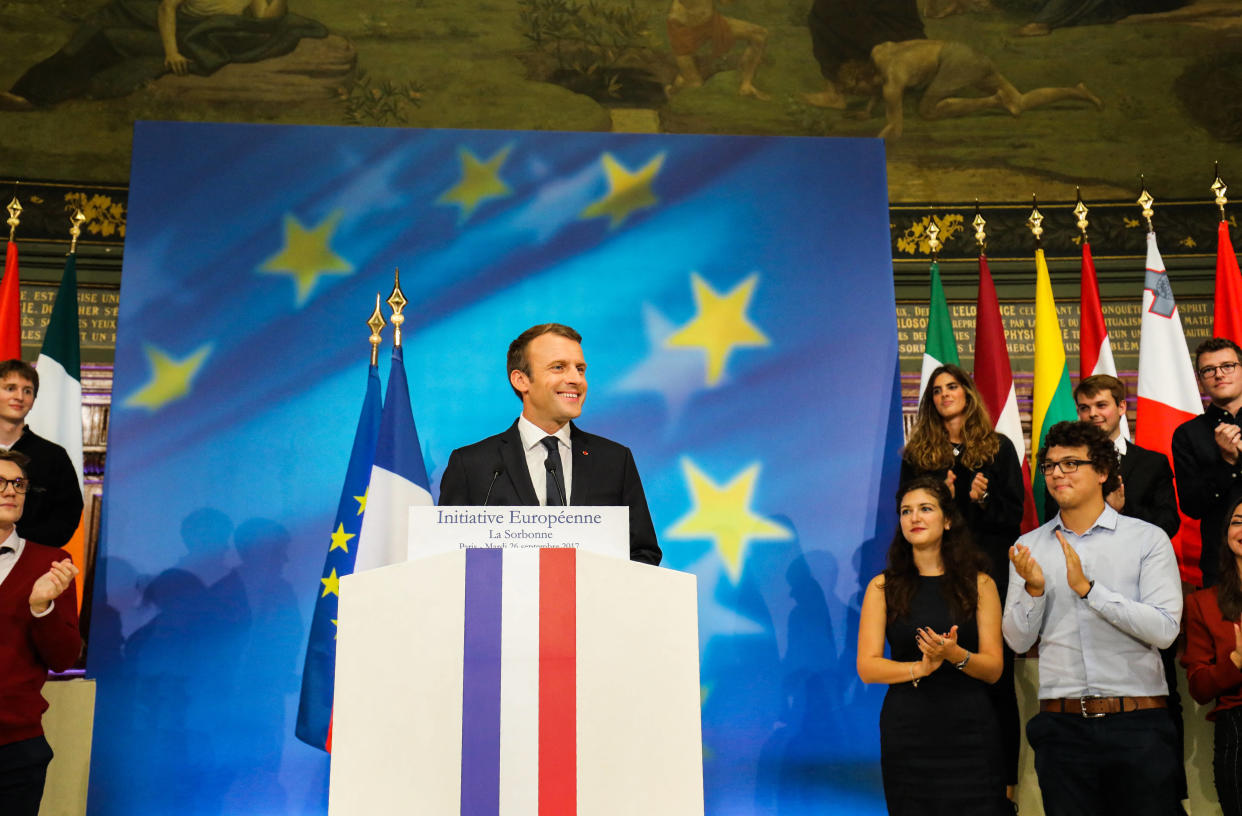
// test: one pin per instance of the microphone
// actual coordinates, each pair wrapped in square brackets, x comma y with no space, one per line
[556,480]
[497,469]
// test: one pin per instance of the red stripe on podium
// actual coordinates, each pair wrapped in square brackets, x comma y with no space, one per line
[558,684]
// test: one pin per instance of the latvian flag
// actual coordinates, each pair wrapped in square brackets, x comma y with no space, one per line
[545,682]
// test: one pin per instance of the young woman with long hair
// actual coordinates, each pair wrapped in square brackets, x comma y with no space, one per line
[1213,661]
[939,612]
[953,440]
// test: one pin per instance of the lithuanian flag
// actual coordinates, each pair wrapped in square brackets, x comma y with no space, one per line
[1053,397]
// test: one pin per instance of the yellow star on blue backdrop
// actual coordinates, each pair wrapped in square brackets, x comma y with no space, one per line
[480,181]
[307,255]
[720,326]
[628,191]
[362,501]
[171,379]
[723,515]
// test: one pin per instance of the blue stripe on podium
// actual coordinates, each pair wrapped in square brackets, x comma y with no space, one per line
[480,722]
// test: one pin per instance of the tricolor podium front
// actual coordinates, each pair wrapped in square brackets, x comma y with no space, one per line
[517,681]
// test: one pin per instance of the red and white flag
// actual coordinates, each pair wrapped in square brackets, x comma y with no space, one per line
[1095,354]
[1167,392]
[1227,317]
[994,379]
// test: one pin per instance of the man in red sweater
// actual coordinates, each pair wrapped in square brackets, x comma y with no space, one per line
[38,632]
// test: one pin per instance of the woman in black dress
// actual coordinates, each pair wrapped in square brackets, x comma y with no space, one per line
[953,440]
[939,611]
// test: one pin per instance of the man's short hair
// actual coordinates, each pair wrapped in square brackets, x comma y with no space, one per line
[1101,451]
[1097,383]
[517,360]
[21,369]
[1215,344]
[16,457]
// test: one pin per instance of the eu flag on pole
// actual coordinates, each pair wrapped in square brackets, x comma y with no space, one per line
[314,725]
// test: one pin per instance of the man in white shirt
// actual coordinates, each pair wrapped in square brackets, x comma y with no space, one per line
[1102,593]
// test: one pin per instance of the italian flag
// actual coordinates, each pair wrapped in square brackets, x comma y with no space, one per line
[941,346]
[1053,398]
[57,412]
[1095,354]
[1168,394]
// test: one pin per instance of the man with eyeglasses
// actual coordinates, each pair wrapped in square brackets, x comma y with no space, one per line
[1102,593]
[38,632]
[54,504]
[1207,449]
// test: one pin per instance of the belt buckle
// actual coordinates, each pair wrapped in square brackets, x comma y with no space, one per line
[1082,705]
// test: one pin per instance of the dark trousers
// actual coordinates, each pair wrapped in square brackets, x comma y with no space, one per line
[1169,658]
[1119,763]
[23,769]
[1227,761]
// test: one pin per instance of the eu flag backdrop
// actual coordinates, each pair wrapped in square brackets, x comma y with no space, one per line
[736,301]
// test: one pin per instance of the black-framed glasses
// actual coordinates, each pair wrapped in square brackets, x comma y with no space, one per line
[1066,465]
[19,484]
[1224,368]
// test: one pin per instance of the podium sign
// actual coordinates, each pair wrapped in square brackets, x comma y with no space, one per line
[601,530]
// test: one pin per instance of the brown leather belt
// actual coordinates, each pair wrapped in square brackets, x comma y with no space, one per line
[1092,706]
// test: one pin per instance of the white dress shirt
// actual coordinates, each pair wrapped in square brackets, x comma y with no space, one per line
[536,454]
[1107,643]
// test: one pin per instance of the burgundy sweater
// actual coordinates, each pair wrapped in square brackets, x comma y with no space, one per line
[1210,673]
[29,646]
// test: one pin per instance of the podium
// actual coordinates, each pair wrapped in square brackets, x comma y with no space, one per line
[517,681]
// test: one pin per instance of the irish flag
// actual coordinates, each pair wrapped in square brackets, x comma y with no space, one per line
[1053,398]
[1167,392]
[57,413]
[1095,355]
[941,346]
[1227,316]
[994,379]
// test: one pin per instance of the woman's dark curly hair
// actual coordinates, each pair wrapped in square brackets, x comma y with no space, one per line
[1100,449]
[1229,584]
[962,560]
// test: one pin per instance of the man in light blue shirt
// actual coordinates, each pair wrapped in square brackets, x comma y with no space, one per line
[1103,595]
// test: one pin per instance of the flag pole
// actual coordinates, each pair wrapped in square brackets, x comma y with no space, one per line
[980,225]
[1080,213]
[1035,222]
[1146,201]
[1219,188]
[15,217]
[75,230]
[376,323]
[397,302]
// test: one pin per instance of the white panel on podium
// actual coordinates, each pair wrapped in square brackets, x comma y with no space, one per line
[599,529]
[453,671]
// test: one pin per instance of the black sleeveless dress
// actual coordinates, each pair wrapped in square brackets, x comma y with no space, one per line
[940,743]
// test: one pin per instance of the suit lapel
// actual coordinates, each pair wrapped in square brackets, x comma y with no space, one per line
[514,457]
[583,464]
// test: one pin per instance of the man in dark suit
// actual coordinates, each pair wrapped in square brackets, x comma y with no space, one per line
[543,458]
[1146,490]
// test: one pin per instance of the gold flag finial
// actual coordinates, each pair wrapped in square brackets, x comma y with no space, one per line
[397,301]
[933,237]
[980,225]
[75,229]
[376,324]
[1036,220]
[1080,212]
[15,216]
[1146,201]
[1220,188]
